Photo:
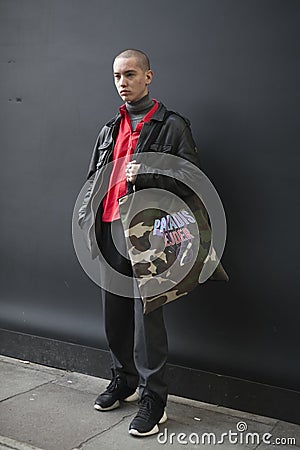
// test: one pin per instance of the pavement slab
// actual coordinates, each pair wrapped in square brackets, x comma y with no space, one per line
[43,408]
[14,382]
[84,383]
[55,417]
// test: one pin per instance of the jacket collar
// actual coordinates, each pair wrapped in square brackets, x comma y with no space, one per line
[114,120]
[159,113]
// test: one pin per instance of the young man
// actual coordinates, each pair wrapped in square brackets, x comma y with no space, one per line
[137,342]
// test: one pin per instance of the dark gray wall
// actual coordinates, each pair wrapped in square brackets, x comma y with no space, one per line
[232,67]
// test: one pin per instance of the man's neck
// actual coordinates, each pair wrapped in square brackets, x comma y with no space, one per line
[137,110]
[144,104]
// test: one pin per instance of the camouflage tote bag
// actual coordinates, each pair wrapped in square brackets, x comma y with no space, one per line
[168,242]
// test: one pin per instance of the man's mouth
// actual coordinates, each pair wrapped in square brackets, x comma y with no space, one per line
[124,92]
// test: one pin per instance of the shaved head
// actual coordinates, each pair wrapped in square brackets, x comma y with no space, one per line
[141,57]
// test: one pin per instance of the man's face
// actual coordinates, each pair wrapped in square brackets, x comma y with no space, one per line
[130,79]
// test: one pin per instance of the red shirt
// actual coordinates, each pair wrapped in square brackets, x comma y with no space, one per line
[126,142]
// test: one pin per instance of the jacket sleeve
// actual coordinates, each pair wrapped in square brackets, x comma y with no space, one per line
[173,179]
[90,177]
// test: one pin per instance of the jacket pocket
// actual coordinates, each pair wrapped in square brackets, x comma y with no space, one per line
[104,145]
[103,151]
[162,148]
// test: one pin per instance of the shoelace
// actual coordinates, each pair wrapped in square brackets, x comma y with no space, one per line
[145,407]
[114,384]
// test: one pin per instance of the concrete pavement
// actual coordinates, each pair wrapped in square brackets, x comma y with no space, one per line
[50,409]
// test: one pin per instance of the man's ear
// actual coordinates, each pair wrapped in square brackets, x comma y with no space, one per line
[149,76]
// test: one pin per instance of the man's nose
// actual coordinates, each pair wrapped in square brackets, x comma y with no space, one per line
[123,81]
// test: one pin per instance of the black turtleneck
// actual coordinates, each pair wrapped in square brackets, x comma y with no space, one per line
[137,110]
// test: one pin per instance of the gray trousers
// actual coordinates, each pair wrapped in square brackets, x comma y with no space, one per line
[137,342]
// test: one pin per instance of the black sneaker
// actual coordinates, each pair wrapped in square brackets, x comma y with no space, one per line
[151,413]
[116,390]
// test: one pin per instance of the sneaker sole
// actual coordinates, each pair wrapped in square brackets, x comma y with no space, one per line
[108,408]
[154,430]
[132,398]
[164,418]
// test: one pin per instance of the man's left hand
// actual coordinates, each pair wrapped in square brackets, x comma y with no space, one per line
[132,170]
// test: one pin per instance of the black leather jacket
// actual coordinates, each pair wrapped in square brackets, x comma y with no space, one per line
[166,133]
